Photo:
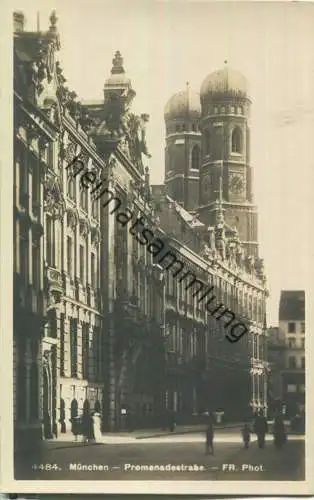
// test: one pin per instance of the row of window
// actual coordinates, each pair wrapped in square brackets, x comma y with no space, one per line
[92,355]
[295,388]
[236,145]
[237,301]
[29,182]
[292,327]
[292,343]
[194,127]
[187,344]
[292,362]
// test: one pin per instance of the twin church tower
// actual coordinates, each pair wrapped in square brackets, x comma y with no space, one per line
[207,156]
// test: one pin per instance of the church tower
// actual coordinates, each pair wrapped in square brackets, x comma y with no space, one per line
[183,148]
[225,162]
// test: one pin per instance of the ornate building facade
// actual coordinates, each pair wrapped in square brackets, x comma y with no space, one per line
[99,322]
[88,298]
[209,200]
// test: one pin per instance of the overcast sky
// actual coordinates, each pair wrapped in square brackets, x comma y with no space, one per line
[165,44]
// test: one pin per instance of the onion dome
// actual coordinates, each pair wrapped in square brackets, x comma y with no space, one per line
[183,104]
[227,82]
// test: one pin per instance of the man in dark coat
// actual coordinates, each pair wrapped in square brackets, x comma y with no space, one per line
[279,432]
[260,428]
[210,436]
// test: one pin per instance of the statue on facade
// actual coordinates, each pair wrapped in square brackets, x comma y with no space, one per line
[136,137]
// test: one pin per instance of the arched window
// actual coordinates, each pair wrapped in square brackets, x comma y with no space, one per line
[207,142]
[196,158]
[236,141]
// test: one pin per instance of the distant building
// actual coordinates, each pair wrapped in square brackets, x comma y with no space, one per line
[276,348]
[292,324]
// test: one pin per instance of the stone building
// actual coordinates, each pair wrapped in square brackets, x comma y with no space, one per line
[276,353]
[88,297]
[292,324]
[208,206]
[100,322]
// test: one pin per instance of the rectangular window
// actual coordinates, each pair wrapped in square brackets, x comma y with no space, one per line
[291,343]
[36,264]
[23,178]
[73,341]
[302,388]
[35,184]
[49,241]
[302,343]
[93,270]
[62,346]
[291,327]
[24,259]
[82,263]
[291,388]
[303,362]
[69,256]
[85,350]
[291,362]
[302,327]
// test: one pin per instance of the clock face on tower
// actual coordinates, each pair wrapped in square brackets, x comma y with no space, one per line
[236,183]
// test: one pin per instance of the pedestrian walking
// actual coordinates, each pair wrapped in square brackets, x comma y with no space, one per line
[246,435]
[260,429]
[210,437]
[172,421]
[279,432]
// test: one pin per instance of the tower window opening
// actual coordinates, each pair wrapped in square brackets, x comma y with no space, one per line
[193,127]
[233,109]
[207,142]
[236,141]
[195,158]
[223,109]
[177,128]
[215,110]
[183,127]
[240,110]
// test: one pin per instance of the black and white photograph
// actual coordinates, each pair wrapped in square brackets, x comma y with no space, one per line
[160,188]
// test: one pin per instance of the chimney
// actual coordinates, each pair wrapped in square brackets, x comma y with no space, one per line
[19,21]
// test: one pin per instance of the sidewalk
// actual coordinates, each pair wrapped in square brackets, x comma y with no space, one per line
[127,436]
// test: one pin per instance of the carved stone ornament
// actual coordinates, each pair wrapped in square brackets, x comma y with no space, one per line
[84,227]
[54,298]
[70,152]
[32,131]
[95,235]
[43,142]
[72,218]
[54,202]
